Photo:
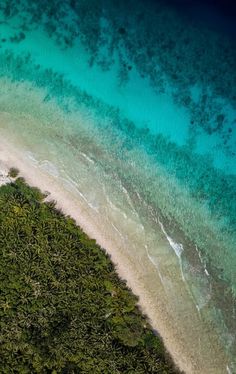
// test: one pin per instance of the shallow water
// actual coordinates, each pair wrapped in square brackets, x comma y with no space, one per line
[133,110]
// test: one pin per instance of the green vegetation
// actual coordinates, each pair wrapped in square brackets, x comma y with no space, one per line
[63,308]
[13,172]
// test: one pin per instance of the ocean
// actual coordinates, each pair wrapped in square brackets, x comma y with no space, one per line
[131,107]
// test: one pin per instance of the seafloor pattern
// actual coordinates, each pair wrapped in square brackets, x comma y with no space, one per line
[134,107]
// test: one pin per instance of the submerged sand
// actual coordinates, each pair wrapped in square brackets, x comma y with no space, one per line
[191,342]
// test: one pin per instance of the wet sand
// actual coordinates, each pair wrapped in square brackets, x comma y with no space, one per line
[165,300]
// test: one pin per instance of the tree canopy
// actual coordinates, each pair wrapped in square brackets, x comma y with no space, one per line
[63,308]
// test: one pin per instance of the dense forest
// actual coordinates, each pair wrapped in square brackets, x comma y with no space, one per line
[63,308]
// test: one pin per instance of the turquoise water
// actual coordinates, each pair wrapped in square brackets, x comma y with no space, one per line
[134,109]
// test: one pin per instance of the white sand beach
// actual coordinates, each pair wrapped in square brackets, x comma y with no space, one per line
[167,302]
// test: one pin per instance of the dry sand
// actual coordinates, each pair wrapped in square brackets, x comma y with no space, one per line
[141,277]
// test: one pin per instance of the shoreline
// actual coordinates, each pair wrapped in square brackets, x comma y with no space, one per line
[37,178]
[182,355]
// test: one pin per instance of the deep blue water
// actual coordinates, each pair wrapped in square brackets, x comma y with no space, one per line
[220,14]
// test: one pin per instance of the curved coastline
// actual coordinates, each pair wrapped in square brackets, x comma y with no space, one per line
[141,275]
[126,115]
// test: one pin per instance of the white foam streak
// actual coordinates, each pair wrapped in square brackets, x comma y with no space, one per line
[202,261]
[178,248]
[69,181]
[117,230]
[49,167]
[155,265]
[92,206]
[206,272]
[32,158]
[129,199]
[114,207]
[87,157]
